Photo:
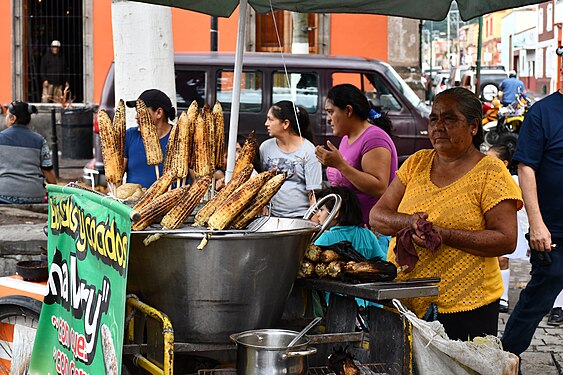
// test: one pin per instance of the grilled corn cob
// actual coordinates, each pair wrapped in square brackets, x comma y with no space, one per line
[176,217]
[192,121]
[328,256]
[202,147]
[266,193]
[238,201]
[247,153]
[182,156]
[171,151]
[210,125]
[113,159]
[158,207]
[206,211]
[157,188]
[148,134]
[219,135]
[119,126]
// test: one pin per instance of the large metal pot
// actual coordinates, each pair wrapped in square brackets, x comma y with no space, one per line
[265,351]
[239,281]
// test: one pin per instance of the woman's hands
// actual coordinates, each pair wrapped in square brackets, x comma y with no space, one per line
[331,157]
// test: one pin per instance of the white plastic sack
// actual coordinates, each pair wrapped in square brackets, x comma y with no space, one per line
[434,353]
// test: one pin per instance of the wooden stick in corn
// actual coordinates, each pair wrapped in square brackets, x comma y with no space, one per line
[266,193]
[182,156]
[157,188]
[219,135]
[119,126]
[149,134]
[113,159]
[159,207]
[202,155]
[206,211]
[178,215]
[238,201]
[193,112]
[210,125]
[247,153]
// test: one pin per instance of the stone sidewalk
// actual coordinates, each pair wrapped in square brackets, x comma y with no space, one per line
[545,354]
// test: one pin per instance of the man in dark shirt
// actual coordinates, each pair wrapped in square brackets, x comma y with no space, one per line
[53,74]
[540,172]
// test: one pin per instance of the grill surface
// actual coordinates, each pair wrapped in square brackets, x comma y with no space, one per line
[367,369]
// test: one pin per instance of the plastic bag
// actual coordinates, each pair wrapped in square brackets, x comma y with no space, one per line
[435,353]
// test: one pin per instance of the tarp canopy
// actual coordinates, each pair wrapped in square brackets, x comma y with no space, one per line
[421,9]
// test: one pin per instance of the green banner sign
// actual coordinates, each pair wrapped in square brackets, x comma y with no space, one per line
[81,329]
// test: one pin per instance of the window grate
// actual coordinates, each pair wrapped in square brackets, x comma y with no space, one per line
[43,22]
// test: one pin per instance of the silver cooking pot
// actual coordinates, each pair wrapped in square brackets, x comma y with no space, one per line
[265,352]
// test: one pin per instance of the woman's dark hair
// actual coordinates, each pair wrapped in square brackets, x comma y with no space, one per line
[349,95]
[350,213]
[470,107]
[284,111]
[22,111]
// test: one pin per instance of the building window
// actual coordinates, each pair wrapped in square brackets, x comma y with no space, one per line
[540,21]
[43,22]
[539,63]
[267,40]
[549,17]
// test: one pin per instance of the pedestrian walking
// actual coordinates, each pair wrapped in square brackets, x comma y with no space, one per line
[540,155]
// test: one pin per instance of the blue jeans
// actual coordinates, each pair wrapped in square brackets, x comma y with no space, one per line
[535,302]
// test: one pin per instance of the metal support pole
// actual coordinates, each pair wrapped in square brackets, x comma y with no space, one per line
[479,46]
[235,106]
[54,145]
[214,33]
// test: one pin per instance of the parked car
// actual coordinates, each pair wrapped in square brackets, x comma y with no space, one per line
[205,77]
[490,79]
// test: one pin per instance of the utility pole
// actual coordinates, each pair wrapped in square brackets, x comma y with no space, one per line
[214,33]
[479,45]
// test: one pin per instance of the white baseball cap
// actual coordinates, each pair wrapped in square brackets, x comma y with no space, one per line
[55,43]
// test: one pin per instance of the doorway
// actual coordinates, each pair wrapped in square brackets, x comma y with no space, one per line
[45,21]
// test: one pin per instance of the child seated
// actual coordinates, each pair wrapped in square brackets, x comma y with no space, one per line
[347,224]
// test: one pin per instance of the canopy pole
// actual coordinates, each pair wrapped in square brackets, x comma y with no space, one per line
[235,103]
[478,65]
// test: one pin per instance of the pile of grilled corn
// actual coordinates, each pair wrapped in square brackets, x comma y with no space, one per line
[196,142]
[322,263]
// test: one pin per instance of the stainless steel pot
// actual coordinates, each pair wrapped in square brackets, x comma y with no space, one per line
[239,281]
[265,352]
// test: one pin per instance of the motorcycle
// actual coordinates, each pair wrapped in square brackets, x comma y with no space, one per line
[502,124]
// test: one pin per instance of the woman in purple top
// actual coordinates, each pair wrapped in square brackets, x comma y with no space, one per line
[366,160]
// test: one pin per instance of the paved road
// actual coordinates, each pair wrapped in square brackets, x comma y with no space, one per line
[545,354]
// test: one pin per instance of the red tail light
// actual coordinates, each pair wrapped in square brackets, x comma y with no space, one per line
[96,128]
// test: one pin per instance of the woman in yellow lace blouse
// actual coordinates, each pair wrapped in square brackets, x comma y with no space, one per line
[471,201]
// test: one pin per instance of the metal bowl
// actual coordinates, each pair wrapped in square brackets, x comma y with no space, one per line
[32,270]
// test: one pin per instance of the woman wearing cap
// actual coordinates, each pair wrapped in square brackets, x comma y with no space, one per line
[25,160]
[135,158]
